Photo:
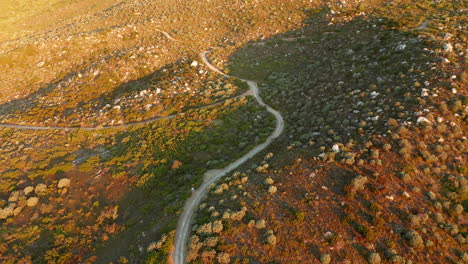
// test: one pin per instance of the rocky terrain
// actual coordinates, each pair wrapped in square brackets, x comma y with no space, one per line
[370,168]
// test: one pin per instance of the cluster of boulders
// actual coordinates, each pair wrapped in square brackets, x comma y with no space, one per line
[28,197]
[172,89]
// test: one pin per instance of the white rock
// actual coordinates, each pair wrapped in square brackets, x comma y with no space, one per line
[424,92]
[422,119]
[64,182]
[374,94]
[194,64]
[328,235]
[401,47]
[447,47]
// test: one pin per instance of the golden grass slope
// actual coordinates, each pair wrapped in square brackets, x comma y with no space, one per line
[20,17]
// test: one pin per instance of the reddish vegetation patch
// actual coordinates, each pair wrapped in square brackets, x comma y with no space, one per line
[311,202]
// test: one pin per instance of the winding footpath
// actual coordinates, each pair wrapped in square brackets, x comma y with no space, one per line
[185,220]
[149,120]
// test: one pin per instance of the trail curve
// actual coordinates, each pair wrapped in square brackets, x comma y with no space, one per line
[185,219]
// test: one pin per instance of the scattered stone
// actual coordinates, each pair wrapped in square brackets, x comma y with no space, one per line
[27,190]
[431,195]
[336,148]
[63,183]
[400,47]
[422,119]
[374,258]
[14,196]
[269,181]
[17,210]
[272,189]
[260,224]
[447,47]
[325,259]
[32,201]
[7,211]
[271,239]
[41,187]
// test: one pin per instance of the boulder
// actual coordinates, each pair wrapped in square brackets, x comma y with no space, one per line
[14,196]
[27,190]
[7,211]
[31,202]
[260,224]
[41,187]
[272,189]
[17,210]
[64,182]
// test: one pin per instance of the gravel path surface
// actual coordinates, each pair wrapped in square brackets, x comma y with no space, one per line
[185,220]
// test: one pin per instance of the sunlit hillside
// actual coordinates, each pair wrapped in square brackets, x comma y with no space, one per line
[233,131]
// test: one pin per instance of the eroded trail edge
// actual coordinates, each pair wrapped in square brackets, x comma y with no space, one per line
[185,219]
